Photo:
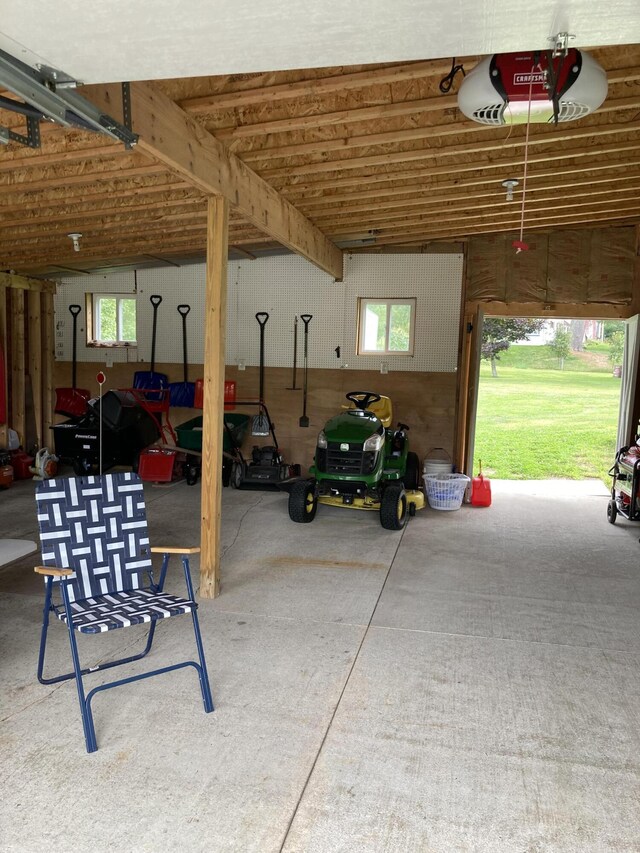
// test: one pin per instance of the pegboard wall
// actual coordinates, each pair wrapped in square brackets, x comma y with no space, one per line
[285,287]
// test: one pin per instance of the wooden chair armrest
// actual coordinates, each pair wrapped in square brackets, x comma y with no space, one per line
[53,572]
[175,550]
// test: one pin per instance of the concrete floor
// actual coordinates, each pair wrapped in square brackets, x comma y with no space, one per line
[470,684]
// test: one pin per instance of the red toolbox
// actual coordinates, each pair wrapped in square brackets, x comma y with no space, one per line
[156,465]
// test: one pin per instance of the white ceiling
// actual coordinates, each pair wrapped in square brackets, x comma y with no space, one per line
[112,40]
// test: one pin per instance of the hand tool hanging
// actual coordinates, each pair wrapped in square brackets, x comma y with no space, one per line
[306,319]
[295,355]
[261,425]
[183,393]
[72,401]
[149,378]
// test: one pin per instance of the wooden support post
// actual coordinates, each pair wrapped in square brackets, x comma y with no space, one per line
[213,406]
[17,420]
[4,427]
[35,358]
[48,356]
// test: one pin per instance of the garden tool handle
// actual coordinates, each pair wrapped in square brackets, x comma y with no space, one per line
[306,319]
[262,314]
[183,310]
[75,310]
[155,300]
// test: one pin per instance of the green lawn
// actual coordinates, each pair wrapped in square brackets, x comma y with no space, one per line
[536,424]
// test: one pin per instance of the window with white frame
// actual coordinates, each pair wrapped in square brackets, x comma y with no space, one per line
[113,319]
[385,326]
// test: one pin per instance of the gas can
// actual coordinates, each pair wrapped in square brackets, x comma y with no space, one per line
[480,490]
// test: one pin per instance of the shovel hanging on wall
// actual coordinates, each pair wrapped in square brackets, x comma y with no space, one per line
[183,393]
[149,379]
[72,402]
[260,424]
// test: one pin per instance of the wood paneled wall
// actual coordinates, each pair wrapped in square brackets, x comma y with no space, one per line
[27,341]
[424,401]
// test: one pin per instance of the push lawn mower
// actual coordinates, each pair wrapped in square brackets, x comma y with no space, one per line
[625,489]
[363,463]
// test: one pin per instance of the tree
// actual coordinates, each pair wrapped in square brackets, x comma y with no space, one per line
[499,333]
[561,344]
[577,335]
[616,348]
[611,326]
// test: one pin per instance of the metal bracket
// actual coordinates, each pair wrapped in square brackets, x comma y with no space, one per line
[126,112]
[560,44]
[49,94]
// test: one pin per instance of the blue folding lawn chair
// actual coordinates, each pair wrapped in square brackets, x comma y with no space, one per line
[96,554]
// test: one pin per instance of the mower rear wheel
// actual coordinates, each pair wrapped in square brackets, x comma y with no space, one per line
[393,507]
[411,477]
[237,474]
[612,512]
[303,502]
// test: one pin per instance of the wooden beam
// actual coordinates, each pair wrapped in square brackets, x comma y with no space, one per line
[316,86]
[171,136]
[514,164]
[20,282]
[316,120]
[459,127]
[465,149]
[34,341]
[213,405]
[48,357]
[18,366]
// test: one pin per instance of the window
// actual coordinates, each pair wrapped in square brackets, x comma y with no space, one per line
[113,319]
[385,326]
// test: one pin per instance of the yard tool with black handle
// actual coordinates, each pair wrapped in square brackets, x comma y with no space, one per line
[72,401]
[182,394]
[149,379]
[306,319]
[260,424]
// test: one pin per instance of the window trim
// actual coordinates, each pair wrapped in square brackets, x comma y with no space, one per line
[363,301]
[92,319]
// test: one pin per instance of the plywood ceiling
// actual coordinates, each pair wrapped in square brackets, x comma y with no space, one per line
[373,152]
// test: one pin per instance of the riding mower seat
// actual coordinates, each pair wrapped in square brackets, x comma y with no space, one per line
[382,409]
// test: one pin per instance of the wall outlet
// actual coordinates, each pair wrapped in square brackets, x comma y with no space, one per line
[241,364]
[384,367]
[108,360]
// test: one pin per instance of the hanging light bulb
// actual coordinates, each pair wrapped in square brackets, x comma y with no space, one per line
[509,185]
[75,237]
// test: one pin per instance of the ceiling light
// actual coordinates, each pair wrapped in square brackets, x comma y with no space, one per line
[75,237]
[509,186]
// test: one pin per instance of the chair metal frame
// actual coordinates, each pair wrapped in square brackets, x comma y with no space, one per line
[63,575]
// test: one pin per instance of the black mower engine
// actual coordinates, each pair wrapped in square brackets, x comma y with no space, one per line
[267,455]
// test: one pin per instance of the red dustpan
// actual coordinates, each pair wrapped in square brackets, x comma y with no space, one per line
[480,490]
[72,402]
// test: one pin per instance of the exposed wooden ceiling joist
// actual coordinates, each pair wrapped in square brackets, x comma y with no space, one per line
[169,135]
[355,151]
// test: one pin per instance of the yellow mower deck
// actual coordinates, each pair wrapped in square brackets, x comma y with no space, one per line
[414,496]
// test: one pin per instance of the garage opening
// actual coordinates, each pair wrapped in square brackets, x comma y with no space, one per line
[554,397]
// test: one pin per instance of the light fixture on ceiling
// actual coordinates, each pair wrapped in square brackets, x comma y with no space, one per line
[75,236]
[510,184]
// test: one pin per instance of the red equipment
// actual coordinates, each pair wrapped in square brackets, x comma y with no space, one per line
[480,490]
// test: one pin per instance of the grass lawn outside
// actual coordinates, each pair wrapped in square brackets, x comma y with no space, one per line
[538,423]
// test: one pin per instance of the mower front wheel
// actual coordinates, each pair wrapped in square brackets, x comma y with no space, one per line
[612,512]
[303,501]
[393,507]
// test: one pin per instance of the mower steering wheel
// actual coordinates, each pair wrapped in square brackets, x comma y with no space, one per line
[363,399]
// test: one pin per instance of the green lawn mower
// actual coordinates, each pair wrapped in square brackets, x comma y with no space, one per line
[362,462]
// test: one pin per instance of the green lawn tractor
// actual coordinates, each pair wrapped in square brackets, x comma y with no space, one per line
[362,462]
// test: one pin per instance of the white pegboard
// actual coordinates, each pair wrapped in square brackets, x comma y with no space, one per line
[285,287]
